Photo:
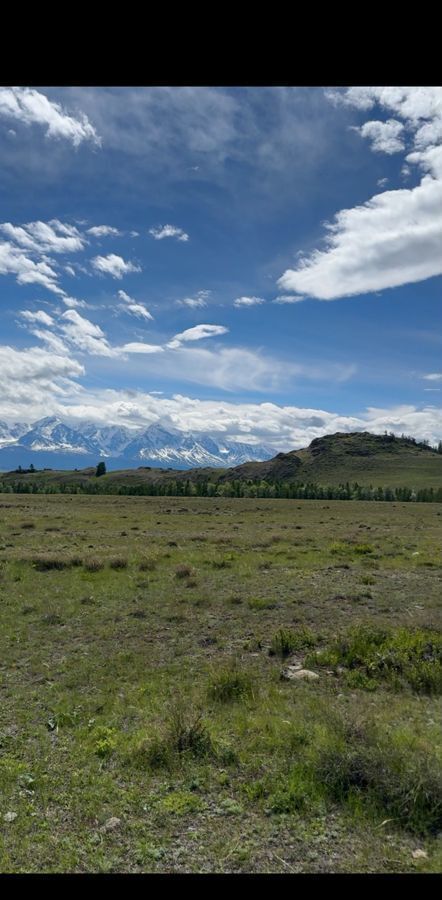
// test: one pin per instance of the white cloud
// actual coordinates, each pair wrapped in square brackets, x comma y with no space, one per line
[248,301]
[130,305]
[51,340]
[45,237]
[73,303]
[386,137]
[113,265]
[198,333]
[85,335]
[168,231]
[288,298]
[281,427]
[39,316]
[103,231]
[198,302]
[395,238]
[141,348]
[433,376]
[29,107]
[33,378]
[24,254]
[14,261]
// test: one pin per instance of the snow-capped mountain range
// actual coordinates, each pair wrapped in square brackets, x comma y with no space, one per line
[54,443]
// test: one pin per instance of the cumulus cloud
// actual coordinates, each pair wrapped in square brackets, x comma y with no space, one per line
[39,316]
[25,252]
[385,137]
[113,265]
[395,237]
[248,301]
[14,261]
[168,231]
[31,107]
[45,237]
[198,333]
[130,305]
[103,231]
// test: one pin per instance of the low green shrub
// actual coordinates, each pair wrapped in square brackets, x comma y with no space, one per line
[230,684]
[402,658]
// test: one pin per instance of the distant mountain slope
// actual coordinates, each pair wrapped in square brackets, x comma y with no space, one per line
[369,459]
[51,442]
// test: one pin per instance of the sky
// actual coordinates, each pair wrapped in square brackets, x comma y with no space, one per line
[259,263]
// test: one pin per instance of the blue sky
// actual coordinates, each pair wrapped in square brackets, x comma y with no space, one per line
[259,263]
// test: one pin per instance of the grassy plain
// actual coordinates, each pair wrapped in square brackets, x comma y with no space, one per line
[144,722]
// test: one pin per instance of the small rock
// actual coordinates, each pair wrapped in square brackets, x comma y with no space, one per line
[111,824]
[304,674]
[10,816]
[419,854]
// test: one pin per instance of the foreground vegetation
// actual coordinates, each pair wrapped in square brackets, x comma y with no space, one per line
[156,714]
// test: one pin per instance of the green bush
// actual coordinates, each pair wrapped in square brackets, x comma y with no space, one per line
[399,779]
[286,641]
[230,684]
[119,562]
[184,735]
[401,658]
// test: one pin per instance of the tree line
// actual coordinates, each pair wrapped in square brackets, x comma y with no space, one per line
[254,489]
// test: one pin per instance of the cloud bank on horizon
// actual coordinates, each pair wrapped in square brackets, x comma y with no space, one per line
[216,305]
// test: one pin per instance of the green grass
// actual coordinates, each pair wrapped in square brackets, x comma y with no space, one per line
[129,697]
[400,658]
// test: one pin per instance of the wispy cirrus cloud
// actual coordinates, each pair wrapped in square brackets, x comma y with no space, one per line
[85,335]
[30,107]
[288,299]
[197,302]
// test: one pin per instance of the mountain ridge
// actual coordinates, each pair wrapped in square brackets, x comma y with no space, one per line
[354,457]
[52,442]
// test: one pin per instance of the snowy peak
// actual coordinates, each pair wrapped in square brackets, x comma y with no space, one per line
[122,446]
